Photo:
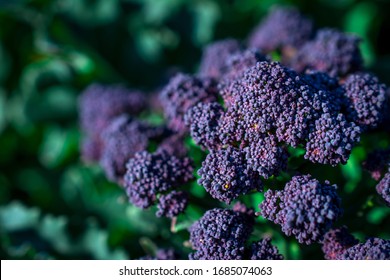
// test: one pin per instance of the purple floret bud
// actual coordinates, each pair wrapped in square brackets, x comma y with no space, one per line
[266,157]
[264,250]
[383,188]
[172,204]
[305,208]
[265,98]
[237,63]
[183,92]
[215,55]
[332,140]
[336,241]
[149,174]
[377,163]
[284,28]
[174,145]
[121,140]
[368,98]
[99,104]
[225,175]
[372,249]
[203,120]
[220,235]
[331,51]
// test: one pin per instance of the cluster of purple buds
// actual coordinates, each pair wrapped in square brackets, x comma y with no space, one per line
[150,178]
[221,234]
[98,106]
[305,208]
[336,241]
[372,249]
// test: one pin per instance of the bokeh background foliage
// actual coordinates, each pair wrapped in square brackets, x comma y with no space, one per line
[54,206]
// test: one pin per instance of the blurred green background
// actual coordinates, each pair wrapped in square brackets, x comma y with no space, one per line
[54,206]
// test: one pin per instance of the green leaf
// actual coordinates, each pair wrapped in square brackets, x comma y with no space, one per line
[58,146]
[54,103]
[2,110]
[53,229]
[15,216]
[207,14]
[49,69]
[295,251]
[378,214]
[95,241]
[92,13]
[5,63]
[352,171]
[82,63]
[359,20]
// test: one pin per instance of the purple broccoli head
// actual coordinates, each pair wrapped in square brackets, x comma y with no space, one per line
[266,157]
[220,235]
[203,120]
[121,140]
[215,55]
[367,97]
[99,104]
[372,249]
[284,28]
[377,163]
[383,188]
[149,174]
[183,92]
[174,145]
[225,175]
[264,250]
[332,140]
[336,241]
[331,51]
[172,204]
[305,208]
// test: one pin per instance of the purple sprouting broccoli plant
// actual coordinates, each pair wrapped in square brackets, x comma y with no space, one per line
[225,175]
[367,96]
[383,187]
[150,174]
[213,62]
[183,92]
[285,28]
[256,121]
[372,249]
[336,241]
[221,235]
[264,250]
[172,204]
[331,51]
[305,208]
